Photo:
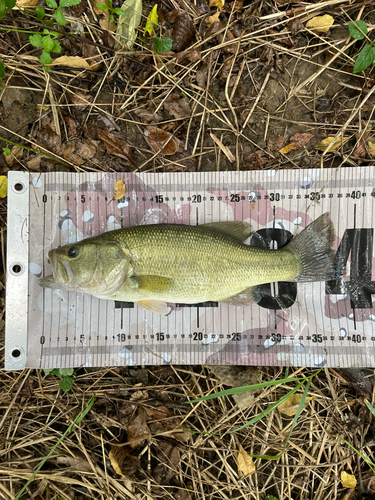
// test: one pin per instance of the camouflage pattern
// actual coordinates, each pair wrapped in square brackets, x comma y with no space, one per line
[318,329]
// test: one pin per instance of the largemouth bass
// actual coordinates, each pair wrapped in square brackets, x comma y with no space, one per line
[155,264]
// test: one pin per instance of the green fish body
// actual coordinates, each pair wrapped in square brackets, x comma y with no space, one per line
[155,264]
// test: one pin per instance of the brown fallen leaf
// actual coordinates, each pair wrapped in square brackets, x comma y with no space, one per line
[290,406]
[169,461]
[14,157]
[183,29]
[122,462]
[70,154]
[178,108]
[138,430]
[277,143]
[321,23]
[212,19]
[22,4]
[71,62]
[162,141]
[116,146]
[348,480]
[217,3]
[301,139]
[245,462]
[148,116]
[71,123]
[34,163]
[120,189]
[47,137]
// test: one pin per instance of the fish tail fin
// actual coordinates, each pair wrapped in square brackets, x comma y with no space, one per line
[313,249]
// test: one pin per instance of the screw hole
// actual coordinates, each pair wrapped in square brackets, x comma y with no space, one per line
[16,353]
[18,186]
[16,269]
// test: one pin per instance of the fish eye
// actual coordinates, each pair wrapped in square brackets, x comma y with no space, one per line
[73,252]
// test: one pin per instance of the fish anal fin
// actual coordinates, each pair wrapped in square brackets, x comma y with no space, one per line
[155,306]
[238,230]
[245,298]
[151,283]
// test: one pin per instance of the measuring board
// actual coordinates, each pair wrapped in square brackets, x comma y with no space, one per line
[312,324]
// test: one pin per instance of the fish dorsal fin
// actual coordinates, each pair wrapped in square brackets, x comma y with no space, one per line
[151,283]
[155,306]
[237,229]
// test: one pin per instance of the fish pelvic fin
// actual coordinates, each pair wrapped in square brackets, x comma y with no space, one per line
[238,230]
[155,306]
[312,248]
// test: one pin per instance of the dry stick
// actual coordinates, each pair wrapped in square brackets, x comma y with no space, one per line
[255,102]
[308,8]
[14,398]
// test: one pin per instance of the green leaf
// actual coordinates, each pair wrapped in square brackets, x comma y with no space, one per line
[45,58]
[3,9]
[59,16]
[370,407]
[49,22]
[102,6]
[128,23]
[152,21]
[69,3]
[56,47]
[10,4]
[7,151]
[66,372]
[299,409]
[162,44]
[364,59]
[51,371]
[36,40]
[355,32]
[2,70]
[52,4]
[40,13]
[119,12]
[48,43]
[66,384]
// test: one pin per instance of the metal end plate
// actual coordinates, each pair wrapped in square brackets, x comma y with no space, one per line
[17,271]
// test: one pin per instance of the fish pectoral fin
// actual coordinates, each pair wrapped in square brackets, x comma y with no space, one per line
[237,229]
[244,298]
[155,306]
[151,283]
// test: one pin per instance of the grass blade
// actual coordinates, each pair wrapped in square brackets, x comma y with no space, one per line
[299,409]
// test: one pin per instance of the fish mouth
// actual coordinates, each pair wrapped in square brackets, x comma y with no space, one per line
[61,270]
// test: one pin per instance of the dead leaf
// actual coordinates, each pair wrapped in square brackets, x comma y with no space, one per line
[86,150]
[178,109]
[288,148]
[80,98]
[138,430]
[301,139]
[148,116]
[258,160]
[70,154]
[183,29]
[34,163]
[245,462]
[169,462]
[126,33]
[348,480]
[201,76]
[371,148]
[277,143]
[26,3]
[162,141]
[117,456]
[182,161]
[217,3]
[47,137]
[14,157]
[71,62]
[333,144]
[116,146]
[120,189]
[192,55]
[320,23]
[295,25]
[212,19]
[71,123]
[290,406]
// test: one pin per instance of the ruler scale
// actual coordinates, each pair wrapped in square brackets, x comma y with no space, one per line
[313,324]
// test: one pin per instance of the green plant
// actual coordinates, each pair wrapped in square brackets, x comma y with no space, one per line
[6,6]
[108,6]
[75,422]
[7,151]
[304,383]
[48,41]
[358,30]
[67,374]
[162,44]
